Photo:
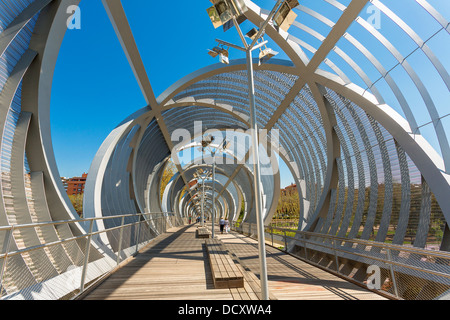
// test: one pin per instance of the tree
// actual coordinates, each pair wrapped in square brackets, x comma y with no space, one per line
[288,208]
[168,173]
[77,202]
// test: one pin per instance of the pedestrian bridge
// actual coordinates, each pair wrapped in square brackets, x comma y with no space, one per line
[160,256]
[350,98]
[175,267]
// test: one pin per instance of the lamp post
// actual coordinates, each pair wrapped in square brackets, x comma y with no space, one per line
[257,179]
[213,213]
[264,56]
[202,175]
[203,203]
[207,143]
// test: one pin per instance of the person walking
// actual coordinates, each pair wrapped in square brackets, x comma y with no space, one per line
[227,225]
[221,224]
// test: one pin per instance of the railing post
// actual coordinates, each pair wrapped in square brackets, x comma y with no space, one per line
[86,256]
[157,222]
[391,269]
[335,256]
[285,241]
[8,237]
[120,240]
[150,222]
[138,234]
[304,244]
[271,234]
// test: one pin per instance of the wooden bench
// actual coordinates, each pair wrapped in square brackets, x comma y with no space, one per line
[225,272]
[203,232]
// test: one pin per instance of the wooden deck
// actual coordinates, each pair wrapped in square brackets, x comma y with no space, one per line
[175,267]
[291,278]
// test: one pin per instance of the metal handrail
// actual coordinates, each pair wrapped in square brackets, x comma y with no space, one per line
[437,254]
[53,223]
[40,224]
[441,254]
[301,236]
[9,232]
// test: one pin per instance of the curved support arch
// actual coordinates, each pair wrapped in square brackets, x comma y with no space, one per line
[333,154]
[92,205]
[46,41]
[333,148]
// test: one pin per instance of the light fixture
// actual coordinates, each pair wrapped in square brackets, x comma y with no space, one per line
[221,52]
[223,58]
[225,144]
[223,11]
[214,16]
[214,52]
[285,16]
[266,54]
[206,141]
[252,33]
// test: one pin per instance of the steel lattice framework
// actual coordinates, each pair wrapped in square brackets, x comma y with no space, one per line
[363,135]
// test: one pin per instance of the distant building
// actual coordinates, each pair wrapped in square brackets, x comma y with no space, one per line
[289,190]
[75,185]
[64,182]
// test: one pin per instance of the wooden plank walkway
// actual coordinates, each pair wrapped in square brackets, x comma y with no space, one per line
[291,278]
[175,267]
[172,267]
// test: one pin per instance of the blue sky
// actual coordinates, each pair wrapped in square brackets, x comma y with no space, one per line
[94,88]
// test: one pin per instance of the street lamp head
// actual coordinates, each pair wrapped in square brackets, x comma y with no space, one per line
[223,58]
[266,54]
[252,33]
[223,11]
[206,141]
[219,13]
[221,52]
[225,144]
[285,16]
[214,52]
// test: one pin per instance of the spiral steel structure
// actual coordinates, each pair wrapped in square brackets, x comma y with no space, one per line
[360,122]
